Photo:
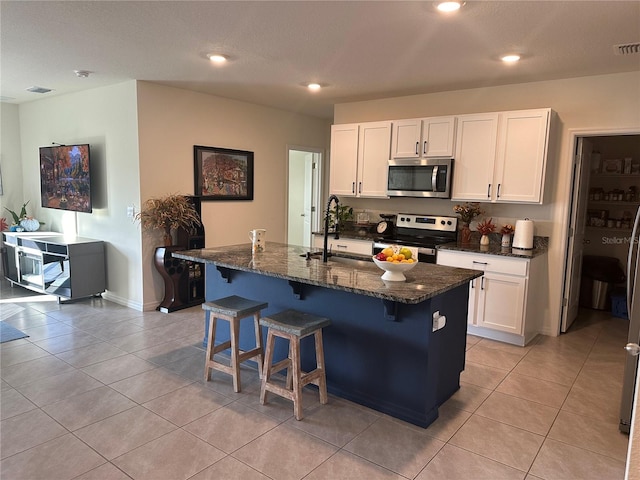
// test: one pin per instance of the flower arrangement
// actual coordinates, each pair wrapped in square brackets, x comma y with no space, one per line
[486,227]
[18,217]
[3,224]
[21,221]
[168,213]
[507,229]
[468,211]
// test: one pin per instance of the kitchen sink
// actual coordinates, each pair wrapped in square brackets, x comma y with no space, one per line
[347,261]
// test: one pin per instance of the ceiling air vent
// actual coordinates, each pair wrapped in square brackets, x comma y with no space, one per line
[627,48]
[38,90]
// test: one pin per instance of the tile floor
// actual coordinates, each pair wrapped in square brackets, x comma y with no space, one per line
[100,391]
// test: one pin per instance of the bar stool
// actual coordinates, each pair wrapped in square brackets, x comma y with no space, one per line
[293,326]
[232,309]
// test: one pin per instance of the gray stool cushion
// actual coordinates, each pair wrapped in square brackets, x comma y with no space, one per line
[295,322]
[234,306]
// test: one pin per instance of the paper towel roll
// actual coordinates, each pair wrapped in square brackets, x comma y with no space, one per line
[523,236]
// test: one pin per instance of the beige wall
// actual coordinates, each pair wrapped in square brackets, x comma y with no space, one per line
[10,163]
[106,119]
[172,121]
[142,137]
[587,104]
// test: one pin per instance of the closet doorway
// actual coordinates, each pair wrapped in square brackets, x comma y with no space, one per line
[604,199]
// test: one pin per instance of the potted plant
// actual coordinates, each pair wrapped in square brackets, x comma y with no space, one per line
[340,216]
[485,228]
[168,214]
[22,221]
[467,212]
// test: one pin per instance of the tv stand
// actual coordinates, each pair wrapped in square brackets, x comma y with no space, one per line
[50,263]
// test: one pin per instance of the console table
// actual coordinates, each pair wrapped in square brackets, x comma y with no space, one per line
[51,263]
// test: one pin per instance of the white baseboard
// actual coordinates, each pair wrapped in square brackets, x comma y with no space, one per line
[122,301]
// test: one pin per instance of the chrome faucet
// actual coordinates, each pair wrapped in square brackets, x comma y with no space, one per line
[332,198]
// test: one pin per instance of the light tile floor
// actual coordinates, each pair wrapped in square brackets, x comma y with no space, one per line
[100,391]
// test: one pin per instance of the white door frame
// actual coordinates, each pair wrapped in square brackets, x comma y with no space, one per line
[573,145]
[316,193]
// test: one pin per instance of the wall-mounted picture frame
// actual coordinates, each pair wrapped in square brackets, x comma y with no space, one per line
[222,173]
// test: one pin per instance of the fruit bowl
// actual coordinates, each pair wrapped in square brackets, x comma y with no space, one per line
[394,272]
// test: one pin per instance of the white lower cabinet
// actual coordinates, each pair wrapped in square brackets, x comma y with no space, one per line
[500,304]
[344,245]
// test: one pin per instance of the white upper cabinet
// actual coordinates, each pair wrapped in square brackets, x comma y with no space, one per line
[359,159]
[501,157]
[344,159]
[423,137]
[475,156]
[522,156]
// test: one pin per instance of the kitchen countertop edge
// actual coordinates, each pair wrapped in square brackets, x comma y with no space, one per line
[424,281]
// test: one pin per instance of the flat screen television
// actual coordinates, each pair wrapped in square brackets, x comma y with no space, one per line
[65,177]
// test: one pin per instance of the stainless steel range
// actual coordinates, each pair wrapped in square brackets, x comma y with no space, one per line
[422,233]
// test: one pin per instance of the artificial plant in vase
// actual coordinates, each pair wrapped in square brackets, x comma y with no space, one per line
[168,213]
[485,228]
[340,215]
[22,222]
[467,212]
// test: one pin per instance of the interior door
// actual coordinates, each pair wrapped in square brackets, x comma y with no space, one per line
[307,201]
[304,191]
[577,225]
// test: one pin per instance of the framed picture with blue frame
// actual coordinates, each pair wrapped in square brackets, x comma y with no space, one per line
[222,173]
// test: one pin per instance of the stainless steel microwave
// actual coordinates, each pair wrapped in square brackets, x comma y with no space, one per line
[420,177]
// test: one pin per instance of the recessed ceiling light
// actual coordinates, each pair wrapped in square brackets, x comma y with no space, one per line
[217,58]
[449,6]
[82,73]
[511,58]
[314,87]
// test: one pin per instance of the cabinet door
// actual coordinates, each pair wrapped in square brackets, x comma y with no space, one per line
[405,141]
[522,156]
[438,135]
[501,303]
[344,159]
[474,299]
[475,156]
[373,159]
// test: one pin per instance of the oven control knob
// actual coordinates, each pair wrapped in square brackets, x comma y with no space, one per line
[441,222]
[448,222]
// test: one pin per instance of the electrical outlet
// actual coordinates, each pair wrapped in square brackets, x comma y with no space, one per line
[131,211]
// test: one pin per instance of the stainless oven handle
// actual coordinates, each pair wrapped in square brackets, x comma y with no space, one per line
[434,179]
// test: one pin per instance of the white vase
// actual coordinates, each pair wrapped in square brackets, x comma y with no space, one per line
[506,240]
[484,240]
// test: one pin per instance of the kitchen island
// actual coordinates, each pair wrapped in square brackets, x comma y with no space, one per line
[396,347]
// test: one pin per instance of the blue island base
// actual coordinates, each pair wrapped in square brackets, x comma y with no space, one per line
[379,354]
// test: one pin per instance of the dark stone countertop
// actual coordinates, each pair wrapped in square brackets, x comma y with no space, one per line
[540,244]
[279,260]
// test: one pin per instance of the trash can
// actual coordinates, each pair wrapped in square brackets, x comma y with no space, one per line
[599,275]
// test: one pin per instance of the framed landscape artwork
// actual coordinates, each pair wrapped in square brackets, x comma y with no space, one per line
[222,173]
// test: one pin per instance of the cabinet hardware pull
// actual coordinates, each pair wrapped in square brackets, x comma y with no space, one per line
[353,187]
[498,194]
[341,246]
[360,187]
[482,284]
[489,191]
[417,146]
[480,263]
[424,150]
[473,283]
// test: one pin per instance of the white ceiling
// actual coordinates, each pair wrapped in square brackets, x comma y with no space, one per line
[360,49]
